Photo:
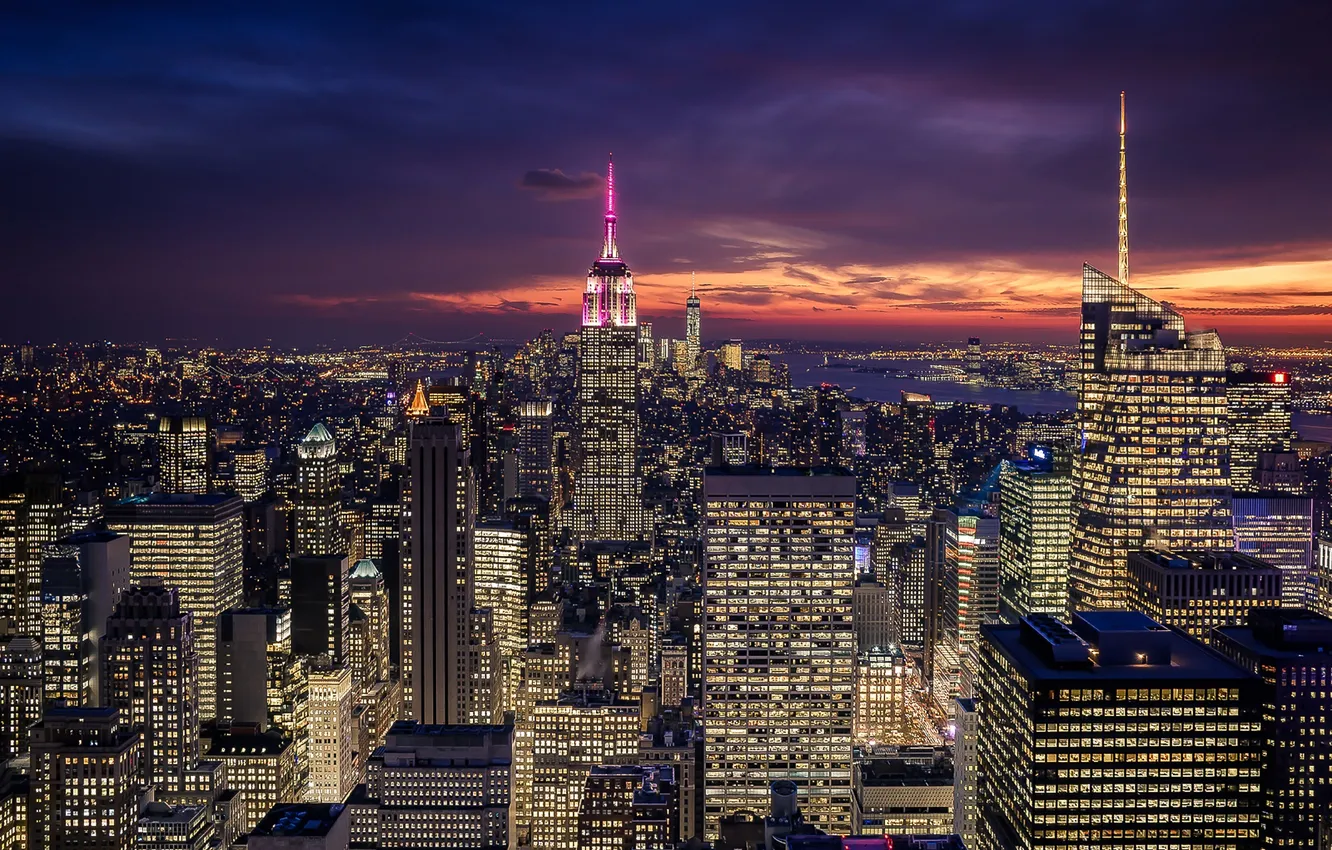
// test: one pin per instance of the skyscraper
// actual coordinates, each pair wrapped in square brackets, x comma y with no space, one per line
[333,773]
[608,493]
[20,693]
[973,361]
[1153,462]
[1277,528]
[85,788]
[693,327]
[1072,743]
[317,501]
[536,449]
[968,596]
[1035,530]
[1200,591]
[150,672]
[436,583]
[1291,650]
[779,566]
[195,544]
[320,605]
[182,450]
[1259,406]
[369,653]
[500,560]
[42,518]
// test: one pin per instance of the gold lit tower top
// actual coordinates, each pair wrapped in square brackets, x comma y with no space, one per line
[418,408]
[1123,200]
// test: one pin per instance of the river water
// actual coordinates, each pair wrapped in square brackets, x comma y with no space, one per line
[807,370]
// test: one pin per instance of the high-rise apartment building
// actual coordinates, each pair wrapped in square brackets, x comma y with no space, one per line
[320,605]
[333,769]
[1035,533]
[150,673]
[608,493]
[1258,419]
[536,449]
[779,568]
[1200,591]
[1291,650]
[183,454]
[436,579]
[85,790]
[194,544]
[1152,467]
[1114,732]
[1277,528]
[437,786]
[317,498]
[571,736]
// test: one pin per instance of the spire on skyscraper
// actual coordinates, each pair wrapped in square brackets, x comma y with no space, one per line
[609,250]
[693,284]
[419,406]
[1123,200]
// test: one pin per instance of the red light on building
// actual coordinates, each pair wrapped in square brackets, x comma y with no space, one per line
[1279,377]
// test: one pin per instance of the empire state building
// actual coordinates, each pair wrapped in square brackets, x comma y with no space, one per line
[608,493]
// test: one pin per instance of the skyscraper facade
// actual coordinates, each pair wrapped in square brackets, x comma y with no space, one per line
[1153,462]
[194,544]
[1277,528]
[693,328]
[968,596]
[182,449]
[779,568]
[608,493]
[536,449]
[436,582]
[1115,732]
[1259,407]
[317,501]
[1035,532]
[150,673]
[320,605]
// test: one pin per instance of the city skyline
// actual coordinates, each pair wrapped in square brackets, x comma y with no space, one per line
[905,182]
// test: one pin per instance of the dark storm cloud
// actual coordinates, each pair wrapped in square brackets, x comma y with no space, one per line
[190,168]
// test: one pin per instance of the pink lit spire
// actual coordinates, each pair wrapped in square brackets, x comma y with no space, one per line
[609,250]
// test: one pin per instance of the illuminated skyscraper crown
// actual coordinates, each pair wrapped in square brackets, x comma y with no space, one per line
[609,298]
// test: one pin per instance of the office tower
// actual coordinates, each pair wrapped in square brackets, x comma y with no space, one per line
[536,449]
[1051,775]
[627,806]
[918,463]
[571,736]
[972,364]
[436,786]
[608,493]
[693,326]
[897,790]
[1283,472]
[1290,649]
[182,453]
[317,499]
[674,673]
[13,588]
[42,518]
[872,613]
[251,472]
[909,569]
[500,560]
[1153,462]
[85,787]
[880,697]
[1323,572]
[258,676]
[1277,529]
[968,596]
[164,827]
[261,765]
[1258,419]
[20,694]
[965,728]
[1035,532]
[194,544]
[150,673]
[320,605]
[436,582]
[1200,591]
[853,435]
[82,578]
[333,772]
[779,569]
[303,826]
[731,355]
[370,657]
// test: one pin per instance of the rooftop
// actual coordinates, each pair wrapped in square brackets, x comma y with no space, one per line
[299,819]
[1201,560]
